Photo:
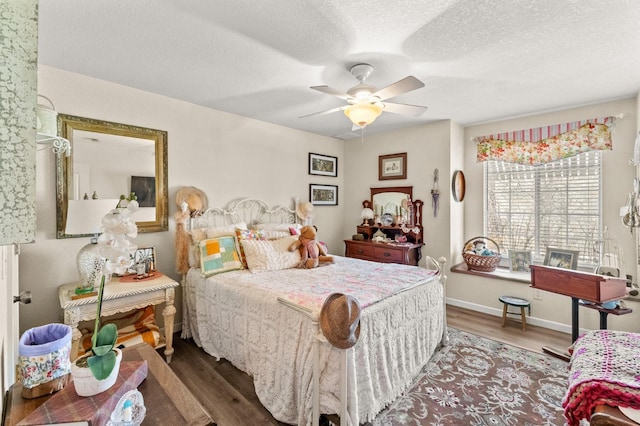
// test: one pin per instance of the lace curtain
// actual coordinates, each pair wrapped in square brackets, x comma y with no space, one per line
[546,144]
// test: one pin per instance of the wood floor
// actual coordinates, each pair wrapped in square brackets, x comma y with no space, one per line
[228,394]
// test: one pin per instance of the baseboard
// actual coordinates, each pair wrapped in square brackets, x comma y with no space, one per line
[564,328]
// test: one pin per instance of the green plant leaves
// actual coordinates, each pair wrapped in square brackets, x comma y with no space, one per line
[102,366]
[104,358]
[105,340]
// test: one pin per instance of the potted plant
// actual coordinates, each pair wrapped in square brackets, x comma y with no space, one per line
[98,370]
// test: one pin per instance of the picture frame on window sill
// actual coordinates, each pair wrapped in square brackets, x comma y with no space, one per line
[323,165]
[323,195]
[519,260]
[392,166]
[561,258]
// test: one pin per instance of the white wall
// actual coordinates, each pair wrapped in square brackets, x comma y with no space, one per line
[617,183]
[427,148]
[229,156]
[225,155]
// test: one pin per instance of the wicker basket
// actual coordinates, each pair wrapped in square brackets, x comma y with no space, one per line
[481,263]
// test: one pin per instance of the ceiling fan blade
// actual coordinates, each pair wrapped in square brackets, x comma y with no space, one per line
[404,109]
[329,111]
[330,91]
[405,85]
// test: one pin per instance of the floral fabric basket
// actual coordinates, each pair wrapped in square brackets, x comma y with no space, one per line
[44,354]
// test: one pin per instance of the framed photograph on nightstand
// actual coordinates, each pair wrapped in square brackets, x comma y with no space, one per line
[146,256]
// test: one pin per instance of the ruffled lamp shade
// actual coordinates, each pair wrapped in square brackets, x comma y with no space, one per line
[366,215]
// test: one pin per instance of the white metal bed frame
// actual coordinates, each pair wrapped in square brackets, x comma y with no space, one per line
[253,212]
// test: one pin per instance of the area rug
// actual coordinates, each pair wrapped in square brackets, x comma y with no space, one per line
[478,381]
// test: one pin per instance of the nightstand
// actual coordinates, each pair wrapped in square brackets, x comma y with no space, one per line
[121,297]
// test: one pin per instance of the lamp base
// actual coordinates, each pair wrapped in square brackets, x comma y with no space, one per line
[90,268]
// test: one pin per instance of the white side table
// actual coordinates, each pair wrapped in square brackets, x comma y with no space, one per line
[121,297]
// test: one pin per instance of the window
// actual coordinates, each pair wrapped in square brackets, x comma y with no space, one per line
[556,204]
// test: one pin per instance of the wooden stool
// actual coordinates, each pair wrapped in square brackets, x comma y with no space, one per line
[515,301]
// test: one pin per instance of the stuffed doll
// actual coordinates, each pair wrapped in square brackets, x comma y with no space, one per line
[311,251]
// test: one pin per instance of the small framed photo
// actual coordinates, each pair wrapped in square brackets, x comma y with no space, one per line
[519,260]
[561,258]
[323,165]
[146,256]
[323,195]
[392,166]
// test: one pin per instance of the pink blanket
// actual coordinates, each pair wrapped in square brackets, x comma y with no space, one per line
[604,369]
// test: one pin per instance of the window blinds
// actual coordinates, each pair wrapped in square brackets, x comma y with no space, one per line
[556,204]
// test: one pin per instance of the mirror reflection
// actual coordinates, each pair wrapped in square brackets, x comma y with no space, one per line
[391,200]
[109,160]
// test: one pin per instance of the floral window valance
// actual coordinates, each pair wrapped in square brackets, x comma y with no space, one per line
[546,144]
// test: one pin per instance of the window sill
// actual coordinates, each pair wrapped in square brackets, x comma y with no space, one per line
[499,273]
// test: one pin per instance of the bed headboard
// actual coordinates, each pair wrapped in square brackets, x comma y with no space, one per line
[248,210]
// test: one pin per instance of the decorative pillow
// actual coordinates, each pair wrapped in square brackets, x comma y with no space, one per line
[270,255]
[218,255]
[274,231]
[200,234]
[275,235]
[276,226]
[247,234]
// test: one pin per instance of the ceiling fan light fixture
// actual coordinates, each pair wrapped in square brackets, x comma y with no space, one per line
[363,114]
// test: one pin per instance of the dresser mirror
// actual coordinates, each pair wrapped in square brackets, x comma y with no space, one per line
[395,212]
[391,200]
[391,231]
[108,160]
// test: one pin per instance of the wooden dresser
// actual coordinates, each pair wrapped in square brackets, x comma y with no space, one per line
[406,253]
[391,231]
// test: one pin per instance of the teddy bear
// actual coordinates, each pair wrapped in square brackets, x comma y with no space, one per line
[311,251]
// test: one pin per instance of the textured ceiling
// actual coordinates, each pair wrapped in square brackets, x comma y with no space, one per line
[480,60]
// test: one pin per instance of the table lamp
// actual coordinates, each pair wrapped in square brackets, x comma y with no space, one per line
[85,217]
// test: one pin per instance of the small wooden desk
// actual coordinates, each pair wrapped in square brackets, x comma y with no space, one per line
[167,400]
[121,297]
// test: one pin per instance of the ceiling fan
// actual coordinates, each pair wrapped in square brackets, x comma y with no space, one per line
[366,103]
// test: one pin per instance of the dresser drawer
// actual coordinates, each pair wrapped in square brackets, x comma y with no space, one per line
[408,253]
[359,250]
[388,254]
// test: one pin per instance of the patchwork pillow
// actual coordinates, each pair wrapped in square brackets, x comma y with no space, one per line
[218,255]
[199,234]
[247,234]
[270,255]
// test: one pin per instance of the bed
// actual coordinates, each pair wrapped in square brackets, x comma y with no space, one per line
[264,319]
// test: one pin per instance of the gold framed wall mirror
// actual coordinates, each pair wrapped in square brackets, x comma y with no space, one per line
[108,160]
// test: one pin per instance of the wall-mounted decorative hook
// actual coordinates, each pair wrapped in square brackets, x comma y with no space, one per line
[435,193]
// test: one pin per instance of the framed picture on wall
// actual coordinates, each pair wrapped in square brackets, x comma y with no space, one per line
[561,258]
[392,166]
[323,195]
[323,165]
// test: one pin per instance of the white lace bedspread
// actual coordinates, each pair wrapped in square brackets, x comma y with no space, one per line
[238,316]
